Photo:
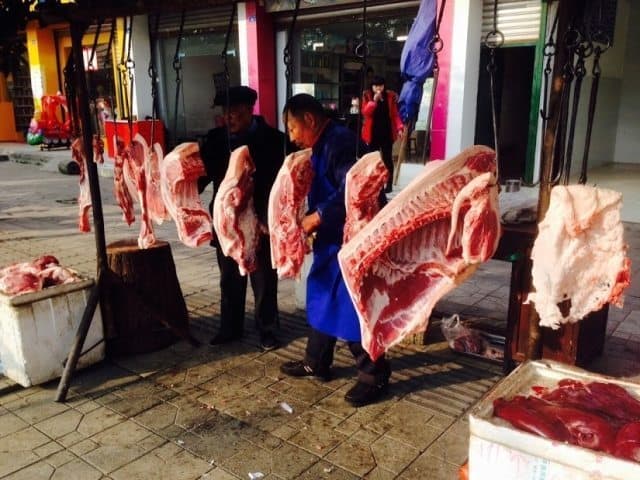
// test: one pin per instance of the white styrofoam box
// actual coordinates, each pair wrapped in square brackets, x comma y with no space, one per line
[37,331]
[498,450]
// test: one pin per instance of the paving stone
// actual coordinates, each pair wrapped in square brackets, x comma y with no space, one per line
[47,449]
[392,455]
[354,456]
[37,471]
[453,445]
[290,461]
[98,420]
[318,440]
[37,407]
[249,460]
[60,458]
[427,466]
[60,425]
[83,447]
[379,473]
[217,474]
[323,469]
[180,466]
[158,417]
[23,440]
[86,406]
[10,423]
[71,439]
[11,461]
[76,470]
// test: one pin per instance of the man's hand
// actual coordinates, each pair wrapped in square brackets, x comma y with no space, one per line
[377,97]
[311,222]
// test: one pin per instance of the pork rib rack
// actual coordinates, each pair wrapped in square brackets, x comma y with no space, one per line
[363,184]
[287,202]
[234,217]
[579,256]
[179,173]
[421,245]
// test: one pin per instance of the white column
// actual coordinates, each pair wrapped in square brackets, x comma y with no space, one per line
[243,48]
[140,51]
[465,65]
[281,43]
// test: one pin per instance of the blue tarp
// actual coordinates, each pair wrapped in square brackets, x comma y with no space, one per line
[416,62]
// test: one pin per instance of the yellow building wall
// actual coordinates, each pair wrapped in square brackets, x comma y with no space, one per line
[7,124]
[42,57]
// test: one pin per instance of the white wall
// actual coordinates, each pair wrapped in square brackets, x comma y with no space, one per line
[616,125]
[463,86]
[142,103]
[627,146]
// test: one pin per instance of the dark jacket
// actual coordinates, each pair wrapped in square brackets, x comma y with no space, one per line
[266,146]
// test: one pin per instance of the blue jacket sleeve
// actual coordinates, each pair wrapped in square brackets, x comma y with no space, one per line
[341,156]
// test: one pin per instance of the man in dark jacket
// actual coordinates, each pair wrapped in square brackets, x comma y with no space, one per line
[266,145]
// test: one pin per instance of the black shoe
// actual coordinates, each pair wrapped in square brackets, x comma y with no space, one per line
[298,368]
[362,394]
[268,342]
[221,339]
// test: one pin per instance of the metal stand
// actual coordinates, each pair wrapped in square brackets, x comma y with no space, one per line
[77,31]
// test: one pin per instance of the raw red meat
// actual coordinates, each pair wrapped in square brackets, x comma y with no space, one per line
[84,198]
[627,443]
[579,256]
[287,202]
[179,173]
[605,398]
[523,417]
[423,243]
[234,217]
[597,415]
[120,187]
[363,184]
[155,205]
[33,276]
[587,429]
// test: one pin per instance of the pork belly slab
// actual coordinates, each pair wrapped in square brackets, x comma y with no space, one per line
[234,216]
[421,245]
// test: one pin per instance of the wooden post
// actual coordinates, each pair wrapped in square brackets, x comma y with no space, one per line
[402,154]
[549,164]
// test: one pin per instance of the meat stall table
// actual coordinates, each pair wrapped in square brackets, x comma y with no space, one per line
[574,344]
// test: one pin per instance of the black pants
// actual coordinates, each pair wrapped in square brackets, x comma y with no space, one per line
[386,152]
[233,290]
[319,356]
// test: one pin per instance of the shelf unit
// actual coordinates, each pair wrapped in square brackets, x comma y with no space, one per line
[22,99]
[321,69]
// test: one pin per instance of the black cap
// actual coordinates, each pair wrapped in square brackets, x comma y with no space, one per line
[240,95]
[377,80]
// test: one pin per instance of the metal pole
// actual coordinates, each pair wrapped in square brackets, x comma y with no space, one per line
[77,31]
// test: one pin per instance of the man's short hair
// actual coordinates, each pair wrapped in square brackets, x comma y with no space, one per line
[303,103]
[240,95]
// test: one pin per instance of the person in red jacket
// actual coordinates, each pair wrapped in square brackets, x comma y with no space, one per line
[381,124]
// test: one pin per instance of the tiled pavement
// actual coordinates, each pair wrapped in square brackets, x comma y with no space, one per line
[216,413]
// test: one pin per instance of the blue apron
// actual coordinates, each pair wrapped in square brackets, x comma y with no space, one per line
[329,306]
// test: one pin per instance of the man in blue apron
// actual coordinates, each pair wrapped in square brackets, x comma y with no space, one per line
[330,311]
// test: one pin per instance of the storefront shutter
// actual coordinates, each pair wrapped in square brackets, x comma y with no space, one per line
[196,21]
[518,20]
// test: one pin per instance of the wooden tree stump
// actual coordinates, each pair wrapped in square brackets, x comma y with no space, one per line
[142,304]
